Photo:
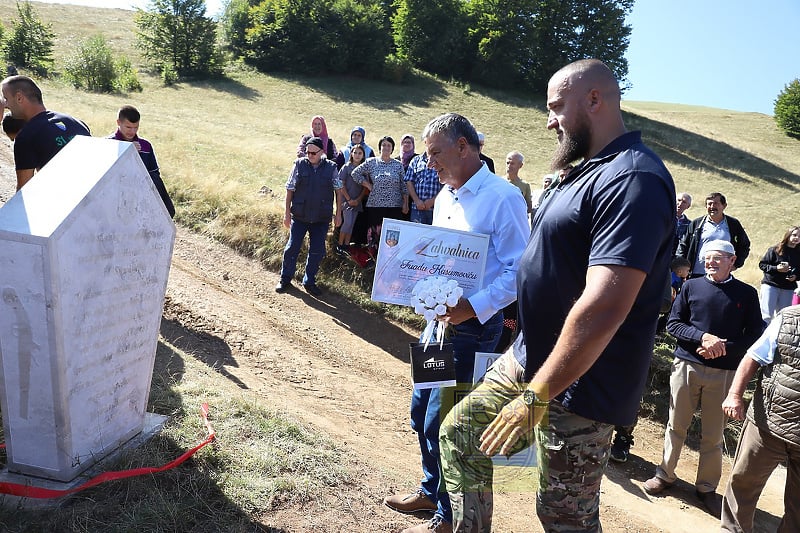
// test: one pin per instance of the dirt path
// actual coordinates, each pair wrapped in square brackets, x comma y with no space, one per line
[346,373]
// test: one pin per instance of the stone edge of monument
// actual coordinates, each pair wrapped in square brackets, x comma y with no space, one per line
[153,424]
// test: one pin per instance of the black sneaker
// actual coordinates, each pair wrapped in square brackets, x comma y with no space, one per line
[621,447]
[312,289]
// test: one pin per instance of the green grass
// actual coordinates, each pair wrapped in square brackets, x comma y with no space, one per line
[262,461]
[219,143]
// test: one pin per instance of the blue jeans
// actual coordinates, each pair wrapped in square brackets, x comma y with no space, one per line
[317,232]
[772,300]
[423,217]
[429,406]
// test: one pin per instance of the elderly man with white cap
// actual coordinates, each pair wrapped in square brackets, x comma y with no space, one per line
[714,319]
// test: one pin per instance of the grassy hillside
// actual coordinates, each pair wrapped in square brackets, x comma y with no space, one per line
[220,142]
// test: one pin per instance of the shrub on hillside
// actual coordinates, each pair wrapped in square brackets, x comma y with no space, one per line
[397,69]
[91,66]
[127,78]
[169,76]
[787,109]
[30,43]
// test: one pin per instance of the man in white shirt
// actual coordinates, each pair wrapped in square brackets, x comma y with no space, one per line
[472,199]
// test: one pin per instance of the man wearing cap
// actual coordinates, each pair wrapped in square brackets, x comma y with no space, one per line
[714,320]
[309,208]
[485,158]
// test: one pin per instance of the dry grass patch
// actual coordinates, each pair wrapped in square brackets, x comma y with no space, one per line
[261,462]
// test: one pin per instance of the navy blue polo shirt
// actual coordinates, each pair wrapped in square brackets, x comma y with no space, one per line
[617,208]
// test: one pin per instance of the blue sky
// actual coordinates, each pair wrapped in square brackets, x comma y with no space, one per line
[730,54]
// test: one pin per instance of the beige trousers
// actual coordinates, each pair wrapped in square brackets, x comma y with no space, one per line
[693,385]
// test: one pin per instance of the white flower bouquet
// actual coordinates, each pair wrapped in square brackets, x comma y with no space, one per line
[431,297]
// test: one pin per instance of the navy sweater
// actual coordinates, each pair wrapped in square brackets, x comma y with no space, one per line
[728,310]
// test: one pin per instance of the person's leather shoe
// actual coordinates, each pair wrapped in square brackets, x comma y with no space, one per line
[655,485]
[283,286]
[434,525]
[712,502]
[312,289]
[409,503]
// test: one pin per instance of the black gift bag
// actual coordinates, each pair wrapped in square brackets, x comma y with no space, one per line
[432,367]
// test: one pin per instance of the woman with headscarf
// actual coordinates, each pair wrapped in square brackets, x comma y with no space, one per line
[358,136]
[407,153]
[406,150]
[318,129]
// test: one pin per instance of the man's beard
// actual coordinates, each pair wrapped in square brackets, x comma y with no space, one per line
[573,146]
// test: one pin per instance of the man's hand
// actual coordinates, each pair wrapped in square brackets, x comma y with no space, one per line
[461,312]
[733,406]
[337,219]
[711,346]
[405,206]
[287,220]
[420,205]
[514,421]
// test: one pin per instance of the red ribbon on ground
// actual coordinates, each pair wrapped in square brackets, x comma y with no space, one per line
[27,491]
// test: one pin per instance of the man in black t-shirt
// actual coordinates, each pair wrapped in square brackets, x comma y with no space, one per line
[45,132]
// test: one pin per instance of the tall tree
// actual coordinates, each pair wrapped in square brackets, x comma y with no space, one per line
[346,36]
[500,30]
[177,34]
[235,22]
[787,109]
[30,43]
[526,41]
[434,36]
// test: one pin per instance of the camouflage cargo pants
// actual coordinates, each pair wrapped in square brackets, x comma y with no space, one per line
[572,453]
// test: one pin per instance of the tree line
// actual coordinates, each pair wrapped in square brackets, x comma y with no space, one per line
[508,44]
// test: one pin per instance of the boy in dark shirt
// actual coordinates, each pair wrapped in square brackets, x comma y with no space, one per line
[127,130]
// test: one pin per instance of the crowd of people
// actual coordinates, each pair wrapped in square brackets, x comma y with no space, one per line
[557,382]
[571,374]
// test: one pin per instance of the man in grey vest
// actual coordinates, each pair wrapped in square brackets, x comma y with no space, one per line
[309,208]
[771,433]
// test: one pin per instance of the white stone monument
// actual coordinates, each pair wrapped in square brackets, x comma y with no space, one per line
[85,249]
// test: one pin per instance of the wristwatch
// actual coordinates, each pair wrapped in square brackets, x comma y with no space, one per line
[530,398]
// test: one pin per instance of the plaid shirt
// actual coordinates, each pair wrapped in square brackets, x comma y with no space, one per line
[425,180]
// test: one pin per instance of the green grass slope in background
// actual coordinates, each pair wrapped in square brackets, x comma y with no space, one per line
[220,142]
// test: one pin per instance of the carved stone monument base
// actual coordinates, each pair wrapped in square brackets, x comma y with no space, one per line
[152,425]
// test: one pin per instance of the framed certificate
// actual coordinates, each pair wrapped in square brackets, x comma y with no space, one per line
[409,252]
